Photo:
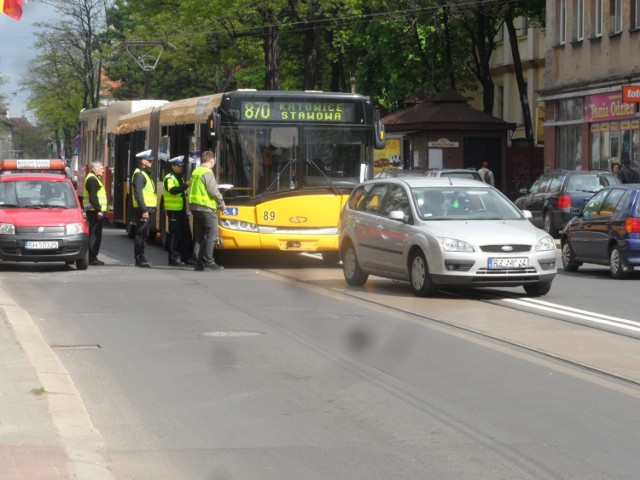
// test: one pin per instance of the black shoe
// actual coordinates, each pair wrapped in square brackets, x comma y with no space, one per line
[190,261]
[177,263]
[213,266]
[96,262]
[198,268]
[142,262]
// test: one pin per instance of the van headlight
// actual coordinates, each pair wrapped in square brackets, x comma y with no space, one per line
[7,229]
[545,244]
[73,228]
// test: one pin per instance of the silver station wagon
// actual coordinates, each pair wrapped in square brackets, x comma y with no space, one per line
[437,232]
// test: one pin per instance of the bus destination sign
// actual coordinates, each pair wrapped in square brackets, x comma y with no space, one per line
[293,111]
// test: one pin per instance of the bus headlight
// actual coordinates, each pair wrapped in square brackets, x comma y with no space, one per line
[7,229]
[73,228]
[238,225]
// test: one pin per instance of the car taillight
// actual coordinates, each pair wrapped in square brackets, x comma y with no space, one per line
[632,225]
[564,201]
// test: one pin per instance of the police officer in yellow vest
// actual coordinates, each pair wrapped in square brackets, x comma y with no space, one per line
[204,200]
[94,202]
[145,201]
[176,207]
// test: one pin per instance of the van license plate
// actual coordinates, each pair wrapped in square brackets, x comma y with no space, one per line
[508,262]
[40,245]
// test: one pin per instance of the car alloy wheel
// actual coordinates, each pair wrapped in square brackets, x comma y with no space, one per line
[351,270]
[419,275]
[619,269]
[568,258]
[548,225]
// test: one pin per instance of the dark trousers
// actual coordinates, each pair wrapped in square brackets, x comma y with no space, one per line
[205,234]
[95,233]
[180,243]
[143,225]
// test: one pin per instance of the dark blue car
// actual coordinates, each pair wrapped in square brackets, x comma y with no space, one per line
[606,232]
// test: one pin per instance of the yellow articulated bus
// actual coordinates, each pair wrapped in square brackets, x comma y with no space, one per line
[289,161]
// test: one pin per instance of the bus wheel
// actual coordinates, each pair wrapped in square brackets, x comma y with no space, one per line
[330,258]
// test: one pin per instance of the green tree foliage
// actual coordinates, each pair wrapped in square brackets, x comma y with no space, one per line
[3,99]
[388,49]
[57,93]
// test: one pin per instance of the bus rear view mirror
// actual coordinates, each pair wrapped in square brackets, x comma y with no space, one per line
[380,140]
[214,125]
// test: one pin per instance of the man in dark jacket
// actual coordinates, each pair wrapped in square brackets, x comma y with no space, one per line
[627,174]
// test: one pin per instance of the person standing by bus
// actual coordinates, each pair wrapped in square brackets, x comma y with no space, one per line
[486,174]
[204,201]
[175,205]
[94,202]
[145,201]
[628,174]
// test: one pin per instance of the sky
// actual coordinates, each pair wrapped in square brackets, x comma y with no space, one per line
[16,49]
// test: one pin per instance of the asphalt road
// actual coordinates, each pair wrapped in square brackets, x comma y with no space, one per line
[268,370]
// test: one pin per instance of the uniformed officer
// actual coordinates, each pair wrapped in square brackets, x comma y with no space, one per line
[204,201]
[94,202]
[176,207]
[145,200]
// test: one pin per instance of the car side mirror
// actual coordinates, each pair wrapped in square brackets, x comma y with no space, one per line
[398,215]
[523,191]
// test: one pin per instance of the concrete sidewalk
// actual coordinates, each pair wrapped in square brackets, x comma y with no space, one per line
[45,431]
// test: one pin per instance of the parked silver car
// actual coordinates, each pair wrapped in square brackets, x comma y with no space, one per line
[435,232]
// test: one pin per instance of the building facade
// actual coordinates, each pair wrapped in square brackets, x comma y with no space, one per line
[507,106]
[592,57]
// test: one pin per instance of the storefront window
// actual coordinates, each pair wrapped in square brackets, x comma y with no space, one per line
[613,142]
[570,147]
[571,109]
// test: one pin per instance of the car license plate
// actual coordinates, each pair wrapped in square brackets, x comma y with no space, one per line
[31,245]
[508,262]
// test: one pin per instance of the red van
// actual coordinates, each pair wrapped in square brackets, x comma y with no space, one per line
[41,218]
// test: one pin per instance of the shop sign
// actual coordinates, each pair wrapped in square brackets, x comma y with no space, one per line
[443,143]
[631,93]
[608,106]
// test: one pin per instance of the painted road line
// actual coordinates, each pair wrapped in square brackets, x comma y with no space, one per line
[577,313]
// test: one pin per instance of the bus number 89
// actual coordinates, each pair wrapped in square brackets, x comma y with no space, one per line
[257,111]
[269,215]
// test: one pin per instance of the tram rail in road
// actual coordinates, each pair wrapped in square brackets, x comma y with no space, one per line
[591,341]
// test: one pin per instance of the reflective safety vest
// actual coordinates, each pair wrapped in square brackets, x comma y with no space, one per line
[171,201]
[148,193]
[102,195]
[198,194]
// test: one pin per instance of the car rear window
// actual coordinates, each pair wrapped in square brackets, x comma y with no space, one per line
[587,183]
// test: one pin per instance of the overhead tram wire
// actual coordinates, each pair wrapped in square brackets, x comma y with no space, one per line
[303,26]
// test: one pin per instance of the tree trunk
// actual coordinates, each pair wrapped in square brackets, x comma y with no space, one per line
[271,58]
[517,65]
[310,81]
[448,42]
[484,44]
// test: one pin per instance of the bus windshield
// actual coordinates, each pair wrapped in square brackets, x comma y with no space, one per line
[266,159]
